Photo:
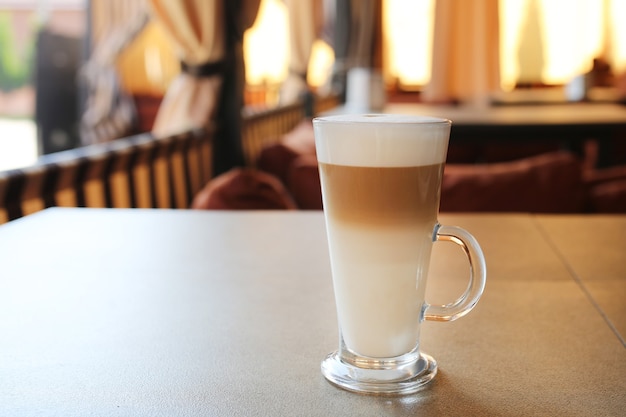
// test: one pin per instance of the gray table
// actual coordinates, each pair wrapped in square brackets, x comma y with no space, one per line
[162,312]
[567,125]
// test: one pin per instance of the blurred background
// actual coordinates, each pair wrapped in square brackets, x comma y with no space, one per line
[46,47]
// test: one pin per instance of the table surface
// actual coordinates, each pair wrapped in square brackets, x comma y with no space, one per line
[114,312]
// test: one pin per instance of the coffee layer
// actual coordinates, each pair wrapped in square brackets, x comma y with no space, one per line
[371,196]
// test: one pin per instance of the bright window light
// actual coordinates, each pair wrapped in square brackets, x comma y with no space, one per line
[617,32]
[266,45]
[408,35]
[320,67]
[553,41]
[548,41]
[573,38]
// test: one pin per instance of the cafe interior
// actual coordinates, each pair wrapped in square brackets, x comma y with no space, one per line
[163,110]
[167,253]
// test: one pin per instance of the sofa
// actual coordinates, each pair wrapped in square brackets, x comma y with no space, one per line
[285,176]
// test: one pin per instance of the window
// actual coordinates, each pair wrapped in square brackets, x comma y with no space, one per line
[542,41]
[266,49]
[552,41]
[408,37]
[20,21]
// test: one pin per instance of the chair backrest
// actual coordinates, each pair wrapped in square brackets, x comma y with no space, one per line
[141,171]
[133,172]
[263,127]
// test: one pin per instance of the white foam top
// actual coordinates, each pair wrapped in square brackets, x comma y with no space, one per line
[381,140]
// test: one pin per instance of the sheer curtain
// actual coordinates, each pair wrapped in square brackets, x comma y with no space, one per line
[305,21]
[109,112]
[465,54]
[553,41]
[480,46]
[197,29]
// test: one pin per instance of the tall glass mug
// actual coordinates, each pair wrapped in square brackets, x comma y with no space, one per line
[381,182]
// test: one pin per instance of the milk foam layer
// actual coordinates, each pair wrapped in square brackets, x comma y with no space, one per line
[381,140]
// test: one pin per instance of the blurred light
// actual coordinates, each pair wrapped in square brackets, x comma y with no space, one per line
[408,37]
[321,63]
[617,29]
[570,34]
[573,38]
[266,45]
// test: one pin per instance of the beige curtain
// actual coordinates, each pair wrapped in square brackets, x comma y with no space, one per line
[465,64]
[208,37]
[111,21]
[197,30]
[305,20]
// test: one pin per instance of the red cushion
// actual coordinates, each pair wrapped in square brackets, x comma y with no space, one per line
[276,158]
[301,138]
[608,197]
[546,183]
[304,182]
[607,189]
[599,175]
[243,189]
[505,152]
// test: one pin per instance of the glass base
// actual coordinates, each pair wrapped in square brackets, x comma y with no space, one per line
[378,377]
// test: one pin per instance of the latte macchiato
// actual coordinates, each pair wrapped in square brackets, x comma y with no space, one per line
[381,180]
[380,211]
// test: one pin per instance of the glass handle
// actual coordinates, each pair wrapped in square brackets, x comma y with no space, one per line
[478,275]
